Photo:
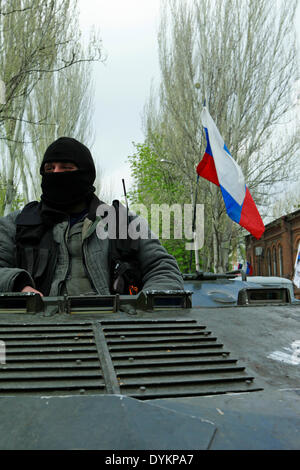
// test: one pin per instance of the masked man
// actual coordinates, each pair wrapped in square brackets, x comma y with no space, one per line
[51,247]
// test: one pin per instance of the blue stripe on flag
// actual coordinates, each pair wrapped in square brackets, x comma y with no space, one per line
[233,209]
[226,149]
[208,147]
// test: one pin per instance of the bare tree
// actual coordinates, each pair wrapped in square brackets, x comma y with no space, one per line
[62,103]
[38,37]
[241,55]
[43,65]
[287,202]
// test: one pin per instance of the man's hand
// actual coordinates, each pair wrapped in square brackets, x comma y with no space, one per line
[31,289]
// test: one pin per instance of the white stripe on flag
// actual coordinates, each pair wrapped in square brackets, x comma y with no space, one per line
[229,173]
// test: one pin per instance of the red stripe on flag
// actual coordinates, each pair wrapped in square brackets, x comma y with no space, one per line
[250,217]
[206,168]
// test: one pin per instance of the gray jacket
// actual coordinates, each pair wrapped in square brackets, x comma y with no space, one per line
[159,269]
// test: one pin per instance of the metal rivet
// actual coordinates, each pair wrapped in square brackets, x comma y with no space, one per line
[82,391]
[78,361]
[224,354]
[142,388]
[76,338]
[248,381]
[122,337]
[131,359]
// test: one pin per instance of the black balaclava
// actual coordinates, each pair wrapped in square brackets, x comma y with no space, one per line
[64,189]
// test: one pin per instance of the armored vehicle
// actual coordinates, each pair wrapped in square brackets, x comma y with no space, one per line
[214,367]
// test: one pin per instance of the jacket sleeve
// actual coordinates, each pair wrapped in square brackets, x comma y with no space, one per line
[159,269]
[11,278]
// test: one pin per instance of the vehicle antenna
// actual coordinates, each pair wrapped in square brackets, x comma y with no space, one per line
[125,194]
[126,200]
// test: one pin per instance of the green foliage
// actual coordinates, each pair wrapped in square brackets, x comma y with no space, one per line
[184,258]
[158,181]
[17,203]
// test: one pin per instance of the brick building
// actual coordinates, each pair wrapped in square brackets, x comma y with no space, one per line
[275,253]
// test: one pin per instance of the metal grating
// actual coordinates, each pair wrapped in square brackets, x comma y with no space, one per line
[136,357]
[160,358]
[50,359]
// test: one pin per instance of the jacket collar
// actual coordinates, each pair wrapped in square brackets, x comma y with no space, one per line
[38,213]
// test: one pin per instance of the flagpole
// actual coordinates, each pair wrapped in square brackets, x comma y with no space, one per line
[194,231]
[197,263]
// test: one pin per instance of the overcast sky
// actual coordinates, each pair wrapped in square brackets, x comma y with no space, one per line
[128,29]
[129,33]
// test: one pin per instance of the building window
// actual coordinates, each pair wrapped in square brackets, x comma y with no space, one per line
[274,262]
[280,261]
[269,263]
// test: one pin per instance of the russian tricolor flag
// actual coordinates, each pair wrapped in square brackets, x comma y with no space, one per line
[249,269]
[218,166]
